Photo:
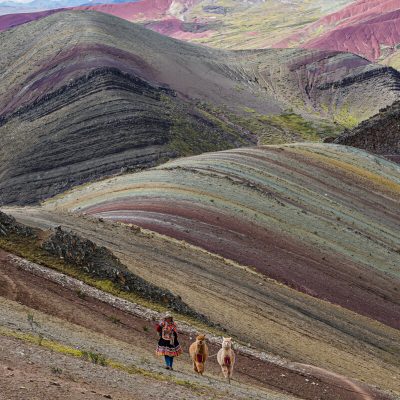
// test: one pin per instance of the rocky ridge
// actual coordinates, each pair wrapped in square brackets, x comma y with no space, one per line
[379,134]
[9,225]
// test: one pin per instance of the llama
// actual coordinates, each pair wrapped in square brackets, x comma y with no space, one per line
[226,358]
[199,353]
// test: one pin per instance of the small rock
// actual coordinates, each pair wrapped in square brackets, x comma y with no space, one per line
[107,396]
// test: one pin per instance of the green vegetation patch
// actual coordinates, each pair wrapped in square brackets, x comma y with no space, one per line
[199,130]
[291,124]
[344,117]
[283,128]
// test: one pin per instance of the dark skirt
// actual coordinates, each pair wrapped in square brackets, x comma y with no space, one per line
[165,348]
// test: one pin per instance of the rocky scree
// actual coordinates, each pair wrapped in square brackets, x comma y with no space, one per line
[9,225]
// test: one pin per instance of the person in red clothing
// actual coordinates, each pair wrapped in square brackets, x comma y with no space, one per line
[168,345]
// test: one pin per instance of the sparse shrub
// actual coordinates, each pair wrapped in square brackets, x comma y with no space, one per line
[114,319]
[81,294]
[94,358]
[34,324]
[144,360]
[40,339]
[56,370]
[34,327]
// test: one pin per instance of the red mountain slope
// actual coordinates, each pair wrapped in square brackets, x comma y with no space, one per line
[370,28]
[144,10]
[12,20]
[141,10]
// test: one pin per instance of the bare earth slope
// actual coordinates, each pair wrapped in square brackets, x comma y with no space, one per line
[85,95]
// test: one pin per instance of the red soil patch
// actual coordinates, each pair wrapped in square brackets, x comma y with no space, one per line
[141,10]
[11,20]
[175,28]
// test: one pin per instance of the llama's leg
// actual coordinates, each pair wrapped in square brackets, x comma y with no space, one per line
[194,366]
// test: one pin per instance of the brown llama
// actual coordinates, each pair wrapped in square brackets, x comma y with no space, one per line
[198,352]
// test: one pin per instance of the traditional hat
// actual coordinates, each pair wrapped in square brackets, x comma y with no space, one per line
[167,315]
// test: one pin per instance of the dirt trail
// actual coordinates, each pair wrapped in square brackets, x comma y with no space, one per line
[354,387]
[72,315]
